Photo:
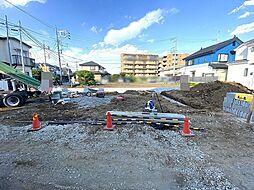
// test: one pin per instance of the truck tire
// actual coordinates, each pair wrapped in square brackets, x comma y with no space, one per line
[13,100]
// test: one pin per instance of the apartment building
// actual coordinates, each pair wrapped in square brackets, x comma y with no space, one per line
[166,64]
[140,64]
[14,56]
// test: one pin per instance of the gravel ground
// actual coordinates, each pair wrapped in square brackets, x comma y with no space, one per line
[130,157]
[86,157]
[86,101]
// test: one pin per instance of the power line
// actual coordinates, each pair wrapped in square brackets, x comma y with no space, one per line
[39,20]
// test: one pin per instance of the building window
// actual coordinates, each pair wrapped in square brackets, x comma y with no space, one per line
[245,72]
[92,68]
[190,62]
[223,57]
[252,49]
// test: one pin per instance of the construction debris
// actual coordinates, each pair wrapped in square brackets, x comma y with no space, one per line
[206,95]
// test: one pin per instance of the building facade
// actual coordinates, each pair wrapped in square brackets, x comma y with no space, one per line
[14,58]
[99,71]
[143,65]
[170,64]
[211,61]
[242,69]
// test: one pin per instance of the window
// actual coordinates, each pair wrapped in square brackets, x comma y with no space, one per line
[190,62]
[223,57]
[252,49]
[233,43]
[92,68]
[245,72]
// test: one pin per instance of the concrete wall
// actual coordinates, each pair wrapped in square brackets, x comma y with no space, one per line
[236,74]
[204,70]
[4,51]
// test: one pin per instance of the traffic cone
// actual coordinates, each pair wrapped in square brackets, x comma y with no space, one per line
[35,122]
[109,125]
[186,132]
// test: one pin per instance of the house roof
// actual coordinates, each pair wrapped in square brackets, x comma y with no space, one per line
[13,38]
[213,48]
[218,65]
[91,63]
[248,43]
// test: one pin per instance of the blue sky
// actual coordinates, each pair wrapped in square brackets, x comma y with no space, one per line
[103,29]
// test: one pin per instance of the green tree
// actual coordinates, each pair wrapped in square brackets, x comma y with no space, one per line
[114,77]
[85,77]
[36,73]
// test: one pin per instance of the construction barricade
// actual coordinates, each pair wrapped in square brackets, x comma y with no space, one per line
[238,104]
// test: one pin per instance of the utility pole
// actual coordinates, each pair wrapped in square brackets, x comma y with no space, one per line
[8,40]
[21,48]
[45,57]
[59,56]
[174,51]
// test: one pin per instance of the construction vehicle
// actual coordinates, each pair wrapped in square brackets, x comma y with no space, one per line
[14,90]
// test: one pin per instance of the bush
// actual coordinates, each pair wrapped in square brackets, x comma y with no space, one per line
[85,78]
[36,73]
[114,77]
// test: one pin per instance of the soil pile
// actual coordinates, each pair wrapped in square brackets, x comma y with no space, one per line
[206,95]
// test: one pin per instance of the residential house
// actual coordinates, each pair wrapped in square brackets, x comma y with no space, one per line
[242,69]
[139,64]
[66,72]
[99,71]
[211,61]
[14,58]
[170,64]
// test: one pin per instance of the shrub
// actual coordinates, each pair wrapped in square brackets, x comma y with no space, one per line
[85,78]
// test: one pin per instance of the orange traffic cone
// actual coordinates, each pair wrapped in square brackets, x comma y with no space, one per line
[36,123]
[109,125]
[186,132]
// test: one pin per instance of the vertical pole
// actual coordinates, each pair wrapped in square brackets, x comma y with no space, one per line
[175,50]
[8,40]
[250,110]
[21,47]
[44,51]
[59,56]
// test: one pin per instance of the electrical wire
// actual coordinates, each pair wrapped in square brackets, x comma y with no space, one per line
[29,14]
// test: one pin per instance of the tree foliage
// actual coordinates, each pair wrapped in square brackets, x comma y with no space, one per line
[85,78]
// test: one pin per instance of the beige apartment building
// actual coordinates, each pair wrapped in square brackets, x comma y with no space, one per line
[139,64]
[166,64]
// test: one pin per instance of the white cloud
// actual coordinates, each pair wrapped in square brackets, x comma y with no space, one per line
[246,14]
[19,2]
[173,11]
[150,40]
[245,28]
[128,17]
[95,29]
[116,37]
[243,6]
[107,57]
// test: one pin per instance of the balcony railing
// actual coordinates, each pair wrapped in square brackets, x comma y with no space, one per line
[16,60]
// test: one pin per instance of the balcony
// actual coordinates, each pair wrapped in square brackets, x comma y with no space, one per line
[29,62]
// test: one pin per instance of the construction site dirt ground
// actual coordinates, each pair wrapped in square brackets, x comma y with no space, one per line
[83,156]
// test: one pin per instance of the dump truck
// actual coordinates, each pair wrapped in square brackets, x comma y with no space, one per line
[10,94]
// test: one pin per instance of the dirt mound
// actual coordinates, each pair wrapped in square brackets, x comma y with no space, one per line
[206,95]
